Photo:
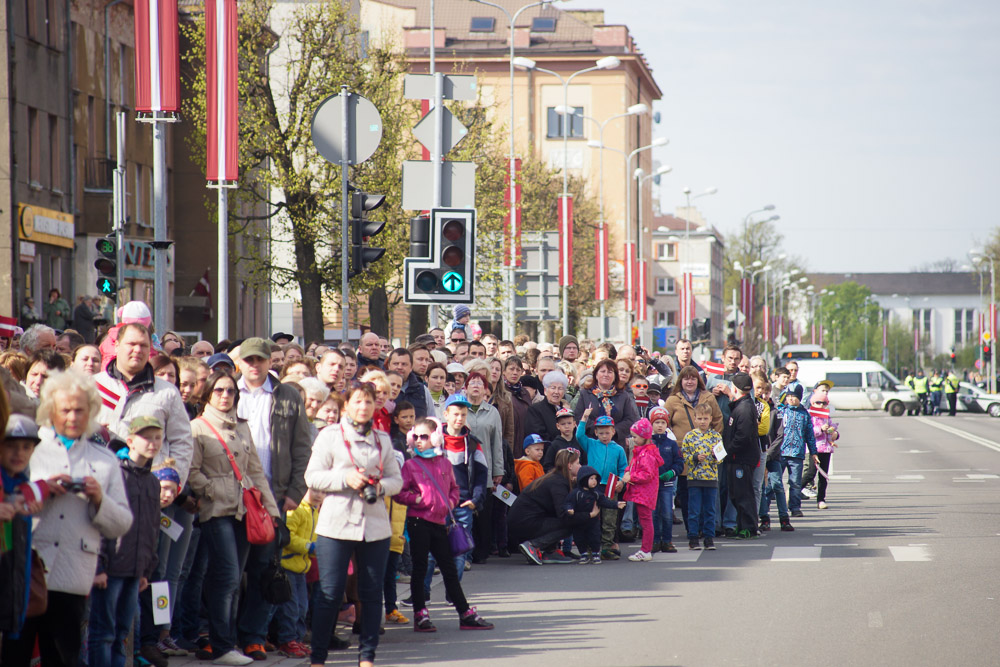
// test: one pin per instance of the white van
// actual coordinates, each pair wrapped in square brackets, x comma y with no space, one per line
[859,385]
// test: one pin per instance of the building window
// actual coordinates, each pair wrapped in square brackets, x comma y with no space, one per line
[666,251]
[52,23]
[482,24]
[964,328]
[666,318]
[34,148]
[665,285]
[970,329]
[922,322]
[555,124]
[543,24]
[55,164]
[31,11]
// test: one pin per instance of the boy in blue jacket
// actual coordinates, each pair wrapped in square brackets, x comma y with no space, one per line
[673,465]
[796,436]
[608,458]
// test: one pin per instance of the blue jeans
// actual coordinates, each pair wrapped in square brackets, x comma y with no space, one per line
[112,611]
[628,517]
[464,516]
[663,515]
[187,619]
[257,612]
[291,616]
[226,543]
[794,468]
[369,563]
[389,581]
[701,511]
[171,562]
[773,488]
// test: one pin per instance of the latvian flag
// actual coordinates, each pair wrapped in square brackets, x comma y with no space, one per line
[713,368]
[612,483]
[819,413]
[34,492]
[157,58]
[8,326]
[109,396]
[221,90]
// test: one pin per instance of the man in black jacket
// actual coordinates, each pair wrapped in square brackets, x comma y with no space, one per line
[743,451]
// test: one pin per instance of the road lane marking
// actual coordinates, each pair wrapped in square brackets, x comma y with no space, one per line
[835,544]
[833,534]
[910,478]
[916,451]
[991,444]
[914,554]
[874,619]
[982,476]
[963,479]
[796,554]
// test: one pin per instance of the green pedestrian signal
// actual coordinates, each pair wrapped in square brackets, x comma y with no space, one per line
[452,282]
[107,267]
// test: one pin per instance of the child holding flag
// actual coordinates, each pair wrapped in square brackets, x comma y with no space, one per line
[826,434]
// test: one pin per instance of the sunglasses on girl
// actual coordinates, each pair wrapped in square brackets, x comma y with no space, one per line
[422,436]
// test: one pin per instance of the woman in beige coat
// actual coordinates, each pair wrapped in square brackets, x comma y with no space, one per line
[220,496]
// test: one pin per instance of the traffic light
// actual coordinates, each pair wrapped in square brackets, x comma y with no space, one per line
[444,269]
[986,350]
[107,267]
[362,229]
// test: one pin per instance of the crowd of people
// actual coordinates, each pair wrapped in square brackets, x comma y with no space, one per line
[241,497]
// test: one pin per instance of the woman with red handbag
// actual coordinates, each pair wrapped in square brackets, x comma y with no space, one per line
[236,507]
[355,464]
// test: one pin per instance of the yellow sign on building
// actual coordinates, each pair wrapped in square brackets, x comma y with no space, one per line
[44,225]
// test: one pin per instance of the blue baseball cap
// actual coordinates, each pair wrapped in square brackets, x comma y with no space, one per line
[534,439]
[220,358]
[604,420]
[457,399]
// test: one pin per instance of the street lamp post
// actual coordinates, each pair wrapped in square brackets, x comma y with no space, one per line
[642,178]
[510,316]
[608,62]
[746,224]
[979,256]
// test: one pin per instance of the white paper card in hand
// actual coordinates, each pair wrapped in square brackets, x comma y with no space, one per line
[504,494]
[720,451]
[161,602]
[173,529]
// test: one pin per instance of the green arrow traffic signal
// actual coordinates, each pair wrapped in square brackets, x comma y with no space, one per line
[452,282]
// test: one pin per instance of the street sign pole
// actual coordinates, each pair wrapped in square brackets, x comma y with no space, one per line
[345,161]
[119,207]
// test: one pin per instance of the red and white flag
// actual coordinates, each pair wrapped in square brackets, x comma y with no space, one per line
[642,291]
[566,241]
[507,253]
[612,483]
[713,368]
[629,277]
[767,324]
[601,278]
[8,326]
[686,302]
[110,396]
[221,90]
[204,288]
[819,413]
[157,58]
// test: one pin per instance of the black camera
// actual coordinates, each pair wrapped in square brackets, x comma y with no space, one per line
[76,485]
[369,493]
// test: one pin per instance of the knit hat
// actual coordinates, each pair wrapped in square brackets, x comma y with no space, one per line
[563,412]
[796,391]
[643,429]
[555,377]
[460,311]
[658,413]
[167,475]
[135,312]
[566,340]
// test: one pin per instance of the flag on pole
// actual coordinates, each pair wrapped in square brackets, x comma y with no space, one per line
[767,324]
[221,90]
[820,413]
[8,326]
[509,255]
[601,281]
[566,241]
[157,58]
[687,301]
[713,368]
[609,490]
[642,291]
[630,277]
[204,288]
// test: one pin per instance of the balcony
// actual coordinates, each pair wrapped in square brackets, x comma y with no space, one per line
[98,174]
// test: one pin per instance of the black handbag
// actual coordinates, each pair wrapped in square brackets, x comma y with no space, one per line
[275,586]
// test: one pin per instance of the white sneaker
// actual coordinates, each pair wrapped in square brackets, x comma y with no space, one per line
[234,657]
[821,505]
[808,493]
[641,556]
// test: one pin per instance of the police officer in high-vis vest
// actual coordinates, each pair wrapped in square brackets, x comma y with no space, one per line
[920,386]
[951,391]
[936,386]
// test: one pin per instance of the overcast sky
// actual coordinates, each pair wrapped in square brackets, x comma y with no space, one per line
[873,126]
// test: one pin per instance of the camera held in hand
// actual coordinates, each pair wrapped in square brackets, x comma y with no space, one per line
[369,492]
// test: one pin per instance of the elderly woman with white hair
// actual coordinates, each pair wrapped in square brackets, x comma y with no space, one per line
[541,417]
[88,503]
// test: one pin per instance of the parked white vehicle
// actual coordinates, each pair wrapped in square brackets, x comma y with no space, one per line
[859,385]
[973,399]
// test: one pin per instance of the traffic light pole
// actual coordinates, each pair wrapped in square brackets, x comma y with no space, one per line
[161,319]
[345,161]
[118,225]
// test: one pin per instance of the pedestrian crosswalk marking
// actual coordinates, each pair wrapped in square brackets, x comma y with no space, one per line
[798,554]
[981,476]
[910,478]
[912,553]
[835,544]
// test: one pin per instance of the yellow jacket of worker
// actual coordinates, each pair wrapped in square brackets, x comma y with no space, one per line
[302,525]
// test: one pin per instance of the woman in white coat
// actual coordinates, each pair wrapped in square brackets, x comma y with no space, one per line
[352,460]
[88,502]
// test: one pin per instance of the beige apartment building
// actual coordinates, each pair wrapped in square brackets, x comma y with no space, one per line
[470,37]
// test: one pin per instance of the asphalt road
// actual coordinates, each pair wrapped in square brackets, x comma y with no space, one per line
[902,569]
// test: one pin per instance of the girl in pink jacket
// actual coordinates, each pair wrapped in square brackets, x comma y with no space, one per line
[643,479]
[430,492]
